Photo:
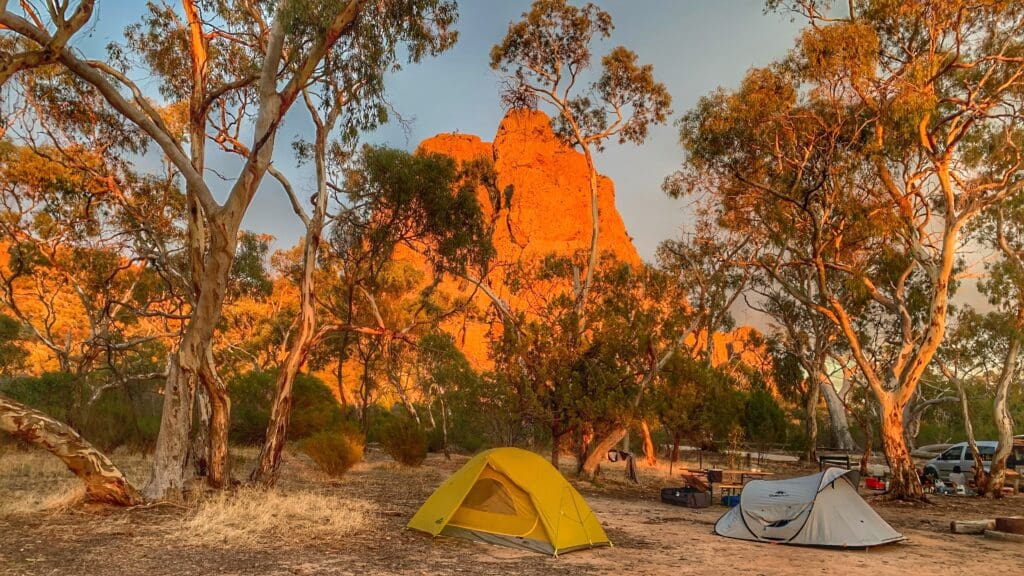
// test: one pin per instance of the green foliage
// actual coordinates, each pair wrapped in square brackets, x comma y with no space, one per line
[405,441]
[314,408]
[544,54]
[249,275]
[408,199]
[471,410]
[12,354]
[127,416]
[56,394]
[334,451]
[764,421]
[697,402]
[122,416]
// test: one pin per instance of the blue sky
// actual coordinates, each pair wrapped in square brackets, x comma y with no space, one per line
[694,45]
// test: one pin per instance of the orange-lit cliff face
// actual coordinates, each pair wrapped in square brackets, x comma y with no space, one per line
[549,211]
[550,207]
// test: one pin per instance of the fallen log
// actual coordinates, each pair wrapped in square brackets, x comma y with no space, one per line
[1006,536]
[104,482]
[971,526]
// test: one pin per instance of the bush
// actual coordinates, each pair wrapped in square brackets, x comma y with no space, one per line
[403,439]
[124,416]
[314,408]
[52,393]
[115,421]
[334,451]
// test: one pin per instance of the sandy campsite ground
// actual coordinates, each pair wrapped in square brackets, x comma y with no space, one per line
[313,525]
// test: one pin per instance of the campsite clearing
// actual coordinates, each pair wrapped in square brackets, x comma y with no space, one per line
[650,538]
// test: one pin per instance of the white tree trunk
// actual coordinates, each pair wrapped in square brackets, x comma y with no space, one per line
[841,438]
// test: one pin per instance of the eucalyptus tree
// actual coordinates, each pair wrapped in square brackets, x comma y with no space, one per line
[93,266]
[980,351]
[864,155]
[1002,330]
[383,201]
[804,342]
[546,56]
[251,61]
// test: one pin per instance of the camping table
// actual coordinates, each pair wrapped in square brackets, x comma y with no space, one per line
[751,475]
[733,481]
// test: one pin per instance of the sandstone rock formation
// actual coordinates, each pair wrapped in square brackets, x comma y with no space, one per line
[550,206]
[549,211]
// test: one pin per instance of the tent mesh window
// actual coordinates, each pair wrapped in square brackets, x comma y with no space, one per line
[490,495]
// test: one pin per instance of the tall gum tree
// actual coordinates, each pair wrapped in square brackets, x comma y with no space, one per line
[864,155]
[546,55]
[283,43]
[90,267]
[1002,228]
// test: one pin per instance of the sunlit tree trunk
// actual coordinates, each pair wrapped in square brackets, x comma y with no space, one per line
[280,412]
[103,481]
[599,451]
[903,479]
[1004,420]
[185,373]
[650,453]
[981,479]
[595,228]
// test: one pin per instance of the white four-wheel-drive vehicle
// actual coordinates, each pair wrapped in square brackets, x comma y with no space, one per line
[960,455]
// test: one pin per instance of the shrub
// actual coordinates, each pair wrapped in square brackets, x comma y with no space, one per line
[314,408]
[403,439]
[251,394]
[114,421]
[52,393]
[334,451]
[123,416]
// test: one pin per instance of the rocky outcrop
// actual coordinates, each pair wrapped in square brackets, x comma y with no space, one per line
[549,210]
[548,213]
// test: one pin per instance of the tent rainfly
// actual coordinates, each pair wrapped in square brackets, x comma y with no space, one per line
[511,497]
[823,509]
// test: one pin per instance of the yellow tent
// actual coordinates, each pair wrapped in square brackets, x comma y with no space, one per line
[515,498]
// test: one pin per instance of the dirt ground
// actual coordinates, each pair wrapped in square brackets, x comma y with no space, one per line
[649,537]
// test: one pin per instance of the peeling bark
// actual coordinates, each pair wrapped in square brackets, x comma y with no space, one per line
[904,482]
[1004,420]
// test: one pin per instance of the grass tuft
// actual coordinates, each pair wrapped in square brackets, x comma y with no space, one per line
[251,516]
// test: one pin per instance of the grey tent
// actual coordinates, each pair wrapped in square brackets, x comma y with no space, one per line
[823,509]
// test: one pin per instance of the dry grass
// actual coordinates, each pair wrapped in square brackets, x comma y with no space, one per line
[34,481]
[251,517]
[54,498]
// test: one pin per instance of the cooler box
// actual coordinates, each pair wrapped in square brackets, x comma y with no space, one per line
[686,496]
